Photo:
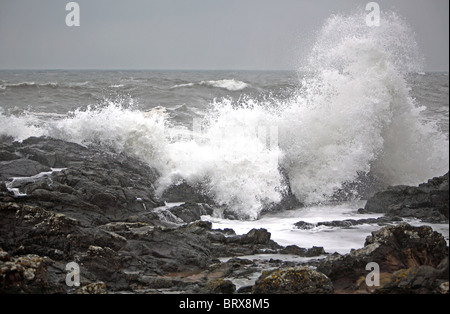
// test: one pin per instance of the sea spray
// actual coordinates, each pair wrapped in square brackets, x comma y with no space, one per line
[355,114]
[352,116]
[19,127]
[231,158]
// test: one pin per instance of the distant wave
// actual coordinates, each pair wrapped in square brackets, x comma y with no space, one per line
[31,84]
[78,84]
[228,84]
[28,84]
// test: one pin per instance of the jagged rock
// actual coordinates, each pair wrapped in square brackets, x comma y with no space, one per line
[293,280]
[190,211]
[429,201]
[304,225]
[105,251]
[94,186]
[254,242]
[183,192]
[392,248]
[93,288]
[24,274]
[288,201]
[36,229]
[21,168]
[348,223]
[416,280]
[295,250]
[220,286]
[254,236]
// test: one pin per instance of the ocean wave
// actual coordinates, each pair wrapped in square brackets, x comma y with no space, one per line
[351,115]
[29,84]
[183,85]
[20,127]
[77,84]
[228,84]
[19,85]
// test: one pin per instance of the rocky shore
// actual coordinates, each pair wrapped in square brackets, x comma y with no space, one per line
[61,202]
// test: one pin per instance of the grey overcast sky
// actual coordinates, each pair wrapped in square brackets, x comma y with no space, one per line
[191,34]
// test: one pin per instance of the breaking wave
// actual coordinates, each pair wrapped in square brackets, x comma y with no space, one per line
[231,85]
[351,116]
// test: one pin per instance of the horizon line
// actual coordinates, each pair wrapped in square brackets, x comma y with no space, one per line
[188,69]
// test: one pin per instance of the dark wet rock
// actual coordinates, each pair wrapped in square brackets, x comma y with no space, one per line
[123,255]
[288,200]
[254,236]
[6,155]
[21,168]
[429,201]
[304,225]
[293,280]
[348,223]
[220,286]
[5,195]
[315,251]
[183,192]
[93,288]
[50,152]
[295,250]
[94,186]
[190,211]
[421,279]
[106,252]
[364,186]
[25,274]
[392,248]
[256,241]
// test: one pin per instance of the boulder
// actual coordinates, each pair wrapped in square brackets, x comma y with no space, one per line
[190,211]
[295,250]
[429,201]
[293,280]
[348,223]
[220,286]
[418,280]
[184,192]
[254,236]
[392,248]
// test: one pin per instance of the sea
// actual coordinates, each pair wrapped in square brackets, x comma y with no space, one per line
[359,108]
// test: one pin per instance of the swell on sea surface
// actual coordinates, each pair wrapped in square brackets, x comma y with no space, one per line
[352,116]
[228,84]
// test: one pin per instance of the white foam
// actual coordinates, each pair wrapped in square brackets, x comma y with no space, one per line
[228,84]
[19,127]
[354,113]
[231,85]
[282,229]
[332,239]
